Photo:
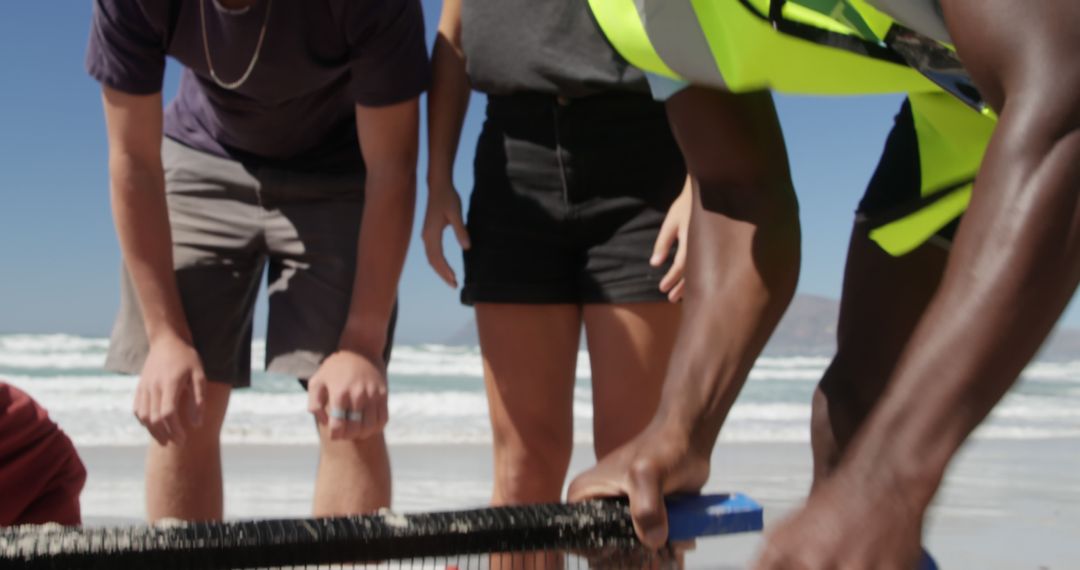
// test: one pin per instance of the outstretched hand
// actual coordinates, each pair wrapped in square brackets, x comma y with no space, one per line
[650,466]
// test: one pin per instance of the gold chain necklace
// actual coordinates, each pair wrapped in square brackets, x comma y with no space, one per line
[254,57]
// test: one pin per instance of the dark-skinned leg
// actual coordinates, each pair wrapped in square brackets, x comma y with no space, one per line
[883,299]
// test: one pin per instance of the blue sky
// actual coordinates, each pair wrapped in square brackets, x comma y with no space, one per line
[59,254]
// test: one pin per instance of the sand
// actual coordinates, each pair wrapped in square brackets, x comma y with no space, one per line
[1006,504]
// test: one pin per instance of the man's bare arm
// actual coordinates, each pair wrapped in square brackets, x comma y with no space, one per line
[1016,260]
[134,124]
[388,139]
[1013,268]
[353,379]
[744,253]
[172,378]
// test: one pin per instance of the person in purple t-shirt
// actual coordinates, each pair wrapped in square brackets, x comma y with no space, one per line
[290,147]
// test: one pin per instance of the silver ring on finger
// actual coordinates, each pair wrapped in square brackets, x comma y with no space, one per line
[355,416]
[339,413]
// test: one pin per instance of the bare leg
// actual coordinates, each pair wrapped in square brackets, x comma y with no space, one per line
[353,477]
[629,348]
[883,299]
[184,481]
[530,354]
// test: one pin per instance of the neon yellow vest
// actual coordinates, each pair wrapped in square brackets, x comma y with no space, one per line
[739,46]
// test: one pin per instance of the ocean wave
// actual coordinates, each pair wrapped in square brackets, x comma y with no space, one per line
[1068,372]
[47,354]
[815,362]
[437,397]
[51,343]
[994,431]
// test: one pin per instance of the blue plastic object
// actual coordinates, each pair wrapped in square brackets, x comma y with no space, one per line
[927,562]
[695,516]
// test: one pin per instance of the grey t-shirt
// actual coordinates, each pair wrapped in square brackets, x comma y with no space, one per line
[546,46]
[296,110]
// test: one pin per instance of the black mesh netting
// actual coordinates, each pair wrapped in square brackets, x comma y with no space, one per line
[591,534]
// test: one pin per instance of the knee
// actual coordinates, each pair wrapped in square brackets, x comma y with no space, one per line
[533,473]
[367,449]
[848,390]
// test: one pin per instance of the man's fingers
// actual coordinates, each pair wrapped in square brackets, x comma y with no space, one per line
[339,409]
[170,417]
[371,404]
[142,404]
[460,232]
[369,423]
[174,398]
[647,505]
[317,398]
[383,412]
[157,429]
[359,416]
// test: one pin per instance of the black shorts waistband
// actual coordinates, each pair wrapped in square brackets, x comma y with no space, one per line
[601,106]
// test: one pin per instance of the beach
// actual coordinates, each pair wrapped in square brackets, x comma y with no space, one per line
[1011,500]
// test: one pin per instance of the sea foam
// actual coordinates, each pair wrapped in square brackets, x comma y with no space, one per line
[437,397]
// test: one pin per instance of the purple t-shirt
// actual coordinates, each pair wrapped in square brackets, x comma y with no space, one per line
[296,109]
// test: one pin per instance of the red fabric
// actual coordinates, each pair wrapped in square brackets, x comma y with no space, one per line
[41,475]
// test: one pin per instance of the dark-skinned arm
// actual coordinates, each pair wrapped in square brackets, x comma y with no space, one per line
[1016,260]
[741,272]
[1013,269]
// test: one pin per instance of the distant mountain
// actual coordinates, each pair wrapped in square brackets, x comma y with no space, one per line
[467,335]
[809,329]
[1064,344]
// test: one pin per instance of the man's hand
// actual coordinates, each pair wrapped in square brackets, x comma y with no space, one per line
[675,229]
[652,465]
[171,390]
[849,523]
[348,393]
[443,209]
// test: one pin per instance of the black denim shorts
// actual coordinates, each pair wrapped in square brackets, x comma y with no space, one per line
[568,200]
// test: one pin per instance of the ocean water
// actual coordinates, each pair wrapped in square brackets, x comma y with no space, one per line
[437,397]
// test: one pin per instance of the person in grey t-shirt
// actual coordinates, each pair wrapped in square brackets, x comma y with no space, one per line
[580,195]
[290,147]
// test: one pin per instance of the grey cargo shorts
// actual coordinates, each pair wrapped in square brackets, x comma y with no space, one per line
[230,222]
